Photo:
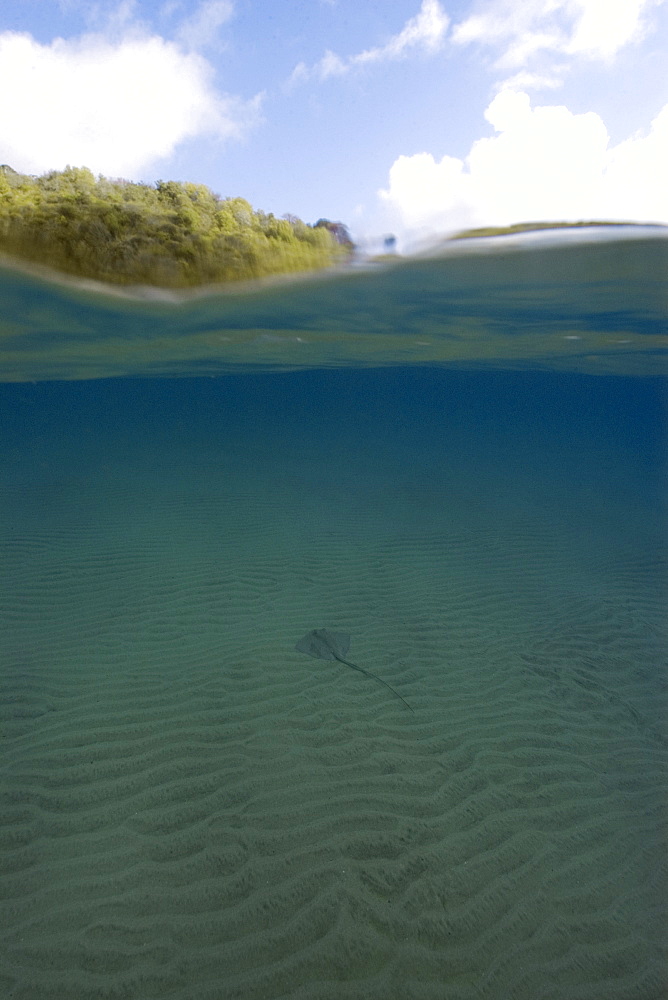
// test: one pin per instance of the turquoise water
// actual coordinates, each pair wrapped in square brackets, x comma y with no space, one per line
[555,302]
[191,806]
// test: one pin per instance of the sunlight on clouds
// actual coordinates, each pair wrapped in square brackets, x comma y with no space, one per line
[636,172]
[425,194]
[426,32]
[113,107]
[519,28]
[597,29]
[544,163]
[605,26]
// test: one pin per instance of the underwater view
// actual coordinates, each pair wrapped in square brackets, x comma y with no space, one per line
[333,630]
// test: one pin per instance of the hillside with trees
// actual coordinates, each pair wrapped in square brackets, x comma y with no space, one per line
[530,227]
[173,234]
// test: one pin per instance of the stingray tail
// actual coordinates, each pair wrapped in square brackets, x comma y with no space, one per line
[376,678]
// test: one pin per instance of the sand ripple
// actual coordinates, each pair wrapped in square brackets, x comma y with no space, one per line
[192,809]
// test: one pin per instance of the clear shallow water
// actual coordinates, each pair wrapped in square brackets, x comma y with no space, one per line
[191,807]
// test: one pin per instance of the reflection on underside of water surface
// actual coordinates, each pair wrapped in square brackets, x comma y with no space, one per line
[545,303]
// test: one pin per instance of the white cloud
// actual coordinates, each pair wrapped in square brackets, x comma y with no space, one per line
[525,80]
[331,65]
[108,18]
[425,32]
[636,171]
[199,30]
[544,163]
[114,107]
[605,26]
[522,29]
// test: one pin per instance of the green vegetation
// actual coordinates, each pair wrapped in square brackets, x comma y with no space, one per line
[174,235]
[527,227]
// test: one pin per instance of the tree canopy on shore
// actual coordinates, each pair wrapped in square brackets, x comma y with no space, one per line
[171,234]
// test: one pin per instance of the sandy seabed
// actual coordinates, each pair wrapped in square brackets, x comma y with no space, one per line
[192,809]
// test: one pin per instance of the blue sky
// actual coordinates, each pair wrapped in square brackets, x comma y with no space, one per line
[404,116]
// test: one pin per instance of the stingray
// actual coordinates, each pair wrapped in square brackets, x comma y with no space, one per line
[326,645]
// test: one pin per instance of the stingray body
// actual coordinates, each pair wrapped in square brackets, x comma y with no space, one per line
[326,645]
